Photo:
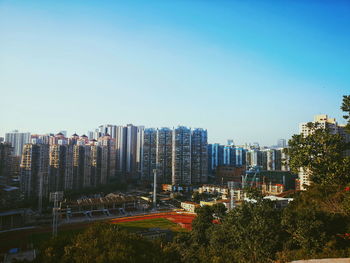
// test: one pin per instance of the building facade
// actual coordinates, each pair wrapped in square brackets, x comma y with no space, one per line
[149,155]
[6,159]
[199,156]
[164,155]
[17,140]
[181,156]
[34,175]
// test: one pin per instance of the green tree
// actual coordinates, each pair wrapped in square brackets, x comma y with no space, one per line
[106,243]
[315,222]
[253,193]
[345,107]
[320,154]
[201,224]
[219,211]
[196,197]
[250,233]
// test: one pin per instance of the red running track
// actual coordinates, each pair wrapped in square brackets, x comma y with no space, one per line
[183,219]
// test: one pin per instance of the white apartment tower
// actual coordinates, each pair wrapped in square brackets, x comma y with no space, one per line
[17,140]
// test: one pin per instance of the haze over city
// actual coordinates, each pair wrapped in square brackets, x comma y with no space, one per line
[247,74]
[175,131]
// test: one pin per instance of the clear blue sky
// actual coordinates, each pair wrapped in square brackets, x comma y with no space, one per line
[247,70]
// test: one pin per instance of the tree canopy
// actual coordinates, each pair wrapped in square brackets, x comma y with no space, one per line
[104,242]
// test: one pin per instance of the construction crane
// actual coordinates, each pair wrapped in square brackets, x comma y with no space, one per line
[244,178]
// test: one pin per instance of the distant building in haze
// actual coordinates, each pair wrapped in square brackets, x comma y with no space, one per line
[282,143]
[17,140]
[230,142]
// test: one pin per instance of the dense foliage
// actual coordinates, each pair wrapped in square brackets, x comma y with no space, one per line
[322,155]
[103,243]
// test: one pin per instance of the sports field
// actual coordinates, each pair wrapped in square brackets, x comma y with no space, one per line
[146,224]
[183,220]
[176,222]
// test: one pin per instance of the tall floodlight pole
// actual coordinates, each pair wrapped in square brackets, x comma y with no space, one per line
[154,189]
[232,201]
[40,201]
[54,215]
[55,197]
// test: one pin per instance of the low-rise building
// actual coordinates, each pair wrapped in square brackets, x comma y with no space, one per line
[226,203]
[167,187]
[189,206]
[239,194]
[280,202]
[213,189]
[272,189]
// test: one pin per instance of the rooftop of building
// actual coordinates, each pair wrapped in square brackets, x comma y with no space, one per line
[190,203]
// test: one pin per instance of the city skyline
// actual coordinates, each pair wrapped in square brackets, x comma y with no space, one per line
[247,74]
[92,134]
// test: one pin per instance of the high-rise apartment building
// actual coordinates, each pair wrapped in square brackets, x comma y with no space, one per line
[240,156]
[164,155]
[216,158]
[284,161]
[41,138]
[199,156]
[108,129]
[6,159]
[59,138]
[128,146]
[254,158]
[108,158]
[323,121]
[230,142]
[132,152]
[61,167]
[273,160]
[34,175]
[81,166]
[149,155]
[17,140]
[121,133]
[96,156]
[229,156]
[56,163]
[139,147]
[61,163]
[181,164]
[282,143]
